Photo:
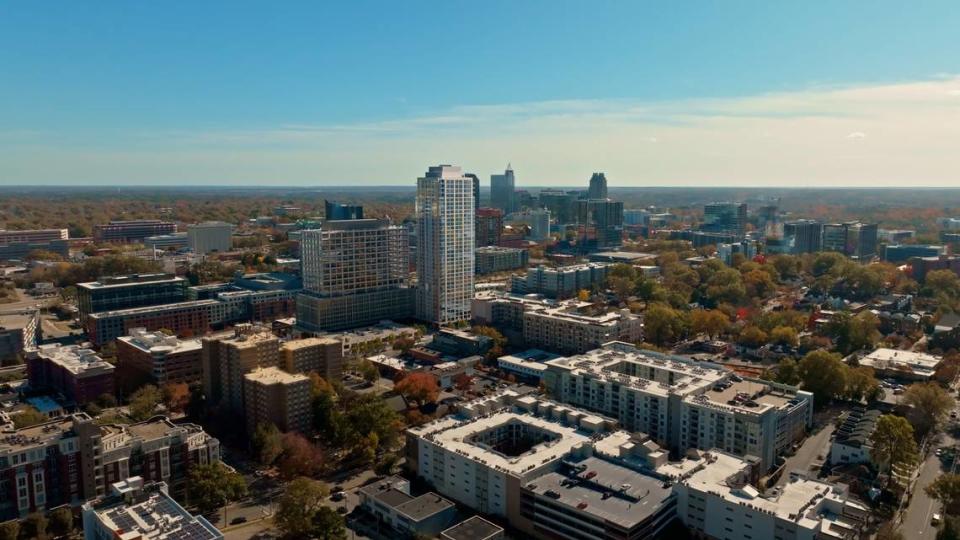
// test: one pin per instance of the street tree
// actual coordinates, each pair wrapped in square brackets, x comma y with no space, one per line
[299,504]
[946,489]
[300,457]
[930,404]
[893,443]
[266,442]
[824,374]
[213,485]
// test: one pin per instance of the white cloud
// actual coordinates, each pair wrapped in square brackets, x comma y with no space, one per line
[787,138]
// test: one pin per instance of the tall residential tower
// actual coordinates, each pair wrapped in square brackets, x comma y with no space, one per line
[445,236]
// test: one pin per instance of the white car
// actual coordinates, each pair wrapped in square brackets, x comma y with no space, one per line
[935,520]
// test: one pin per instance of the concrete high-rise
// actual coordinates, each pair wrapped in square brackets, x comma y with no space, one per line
[502,191]
[355,272]
[598,186]
[445,256]
[226,359]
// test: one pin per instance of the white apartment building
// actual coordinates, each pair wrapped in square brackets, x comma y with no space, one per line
[210,236]
[717,501]
[482,456]
[683,404]
[573,328]
[445,248]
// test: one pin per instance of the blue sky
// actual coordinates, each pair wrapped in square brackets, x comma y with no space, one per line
[313,93]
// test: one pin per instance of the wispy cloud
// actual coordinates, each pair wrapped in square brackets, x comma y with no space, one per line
[906,134]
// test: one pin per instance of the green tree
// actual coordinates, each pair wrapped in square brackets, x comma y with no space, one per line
[144,402]
[942,284]
[711,322]
[29,416]
[893,443]
[930,404]
[759,284]
[662,324]
[862,384]
[10,530]
[61,521]
[214,485]
[950,529]
[35,525]
[788,372]
[266,442]
[785,335]
[752,337]
[726,286]
[368,371]
[823,374]
[853,333]
[299,504]
[946,489]
[327,524]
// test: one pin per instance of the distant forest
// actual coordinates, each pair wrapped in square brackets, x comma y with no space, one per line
[78,209]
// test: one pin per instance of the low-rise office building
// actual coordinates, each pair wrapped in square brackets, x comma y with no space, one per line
[272,395]
[135,509]
[131,230]
[390,502]
[683,404]
[160,358]
[897,253]
[166,242]
[75,372]
[904,365]
[123,292]
[575,328]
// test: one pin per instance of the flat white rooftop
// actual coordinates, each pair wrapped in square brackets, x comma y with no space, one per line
[892,359]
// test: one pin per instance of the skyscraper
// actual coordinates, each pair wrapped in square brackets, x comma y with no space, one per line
[502,189]
[355,272]
[445,236]
[598,186]
[725,217]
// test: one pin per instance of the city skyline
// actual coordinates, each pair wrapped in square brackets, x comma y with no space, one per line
[748,95]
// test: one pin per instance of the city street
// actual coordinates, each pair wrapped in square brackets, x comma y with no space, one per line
[918,515]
